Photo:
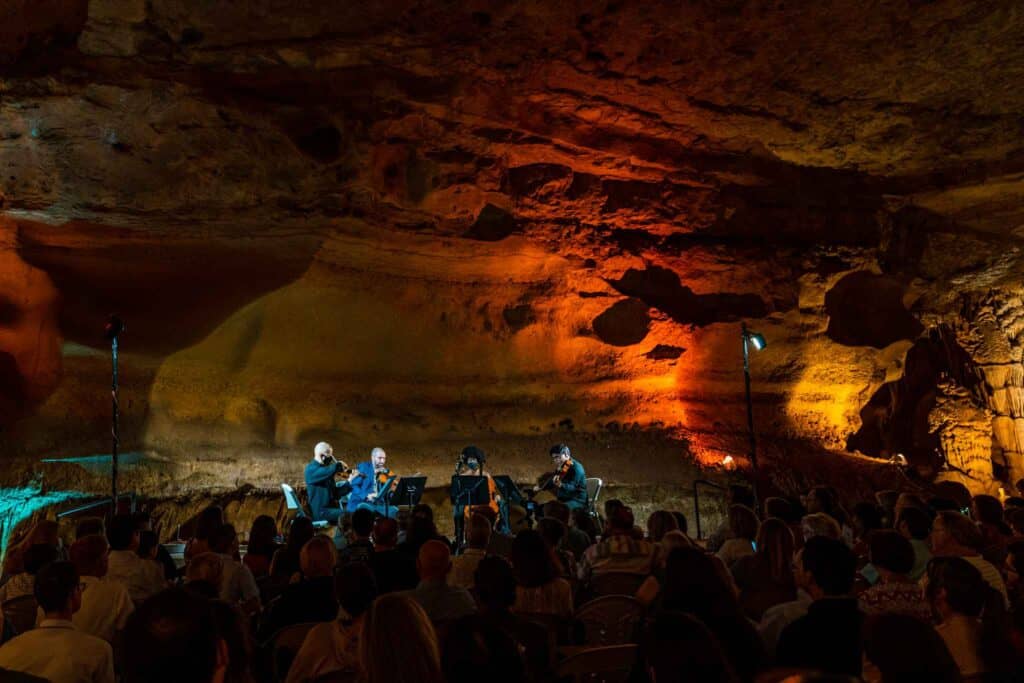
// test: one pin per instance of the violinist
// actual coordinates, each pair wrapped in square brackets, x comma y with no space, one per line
[368,481]
[323,491]
[569,481]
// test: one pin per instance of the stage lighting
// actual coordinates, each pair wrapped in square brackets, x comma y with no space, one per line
[756,340]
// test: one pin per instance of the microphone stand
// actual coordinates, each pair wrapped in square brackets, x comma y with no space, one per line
[113,329]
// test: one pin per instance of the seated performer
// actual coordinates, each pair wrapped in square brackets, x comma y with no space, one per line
[471,464]
[323,492]
[569,481]
[368,481]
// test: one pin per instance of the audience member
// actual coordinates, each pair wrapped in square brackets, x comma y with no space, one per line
[478,535]
[1014,566]
[477,650]
[361,546]
[865,518]
[892,556]
[398,643]
[148,538]
[313,597]
[554,532]
[582,520]
[334,645]
[765,579]
[441,602]
[954,535]
[540,588]
[828,637]
[916,526]
[820,524]
[659,523]
[90,526]
[142,578]
[56,650]
[208,521]
[681,523]
[262,545]
[995,532]
[900,648]
[742,535]
[106,605]
[204,575]
[174,638]
[576,540]
[886,501]
[618,551]
[33,558]
[677,648]
[285,564]
[238,587]
[394,571]
[43,532]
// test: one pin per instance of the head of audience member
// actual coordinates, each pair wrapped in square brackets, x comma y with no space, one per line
[355,589]
[45,532]
[904,648]
[362,524]
[421,530]
[556,509]
[742,522]
[939,504]
[122,534]
[552,531]
[954,535]
[495,584]
[224,540]
[149,545]
[1015,564]
[694,583]
[262,536]
[481,651]
[582,520]
[672,540]
[825,500]
[659,523]
[820,524]
[423,511]
[299,534]
[90,526]
[775,550]
[434,561]
[397,625]
[954,491]
[89,555]
[740,494]
[532,560]
[316,559]
[865,517]
[58,591]
[914,524]
[1013,503]
[826,568]
[677,647]
[205,569]
[886,500]
[143,520]
[385,534]
[891,554]
[988,512]
[778,508]
[209,520]
[38,556]
[620,522]
[956,587]
[478,535]
[173,638]
[908,500]
[681,523]
[1015,518]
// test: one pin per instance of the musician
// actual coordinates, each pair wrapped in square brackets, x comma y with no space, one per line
[368,480]
[471,464]
[323,491]
[569,481]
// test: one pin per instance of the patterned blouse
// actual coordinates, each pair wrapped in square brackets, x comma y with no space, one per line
[896,598]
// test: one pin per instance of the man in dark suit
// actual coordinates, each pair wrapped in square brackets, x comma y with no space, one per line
[323,492]
[368,481]
[570,481]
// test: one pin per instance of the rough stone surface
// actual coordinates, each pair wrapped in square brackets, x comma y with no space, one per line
[420,225]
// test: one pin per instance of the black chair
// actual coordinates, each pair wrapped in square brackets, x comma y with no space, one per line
[599,665]
[610,620]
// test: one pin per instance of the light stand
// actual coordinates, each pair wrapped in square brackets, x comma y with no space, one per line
[115,326]
[758,342]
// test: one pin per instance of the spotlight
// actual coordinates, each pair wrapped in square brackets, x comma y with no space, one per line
[756,340]
[728,464]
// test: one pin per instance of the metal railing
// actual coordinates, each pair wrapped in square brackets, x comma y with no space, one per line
[696,499]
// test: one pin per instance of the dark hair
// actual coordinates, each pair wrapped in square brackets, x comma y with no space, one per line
[362,522]
[943,505]
[919,525]
[989,509]
[38,556]
[740,494]
[421,530]
[89,526]
[385,531]
[621,519]
[233,629]
[743,522]
[171,638]
[478,650]
[611,505]
[560,449]
[262,536]
[868,517]
[694,584]
[680,521]
[675,642]
[424,511]
[961,529]
[301,531]
[582,520]
[479,532]
[141,519]
[778,508]
[223,538]
[1015,518]
[774,555]
[556,509]
[54,585]
[355,588]
[830,563]
[659,523]
[120,532]
[495,583]
[87,554]
[207,522]
[552,531]
[473,453]
[147,541]
[891,551]
[904,648]
[828,501]
[531,558]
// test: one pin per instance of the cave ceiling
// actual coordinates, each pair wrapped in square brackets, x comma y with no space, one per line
[417,221]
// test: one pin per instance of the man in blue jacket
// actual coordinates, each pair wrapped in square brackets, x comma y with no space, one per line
[368,480]
[569,481]
[323,492]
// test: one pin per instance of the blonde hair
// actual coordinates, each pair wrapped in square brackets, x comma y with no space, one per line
[398,643]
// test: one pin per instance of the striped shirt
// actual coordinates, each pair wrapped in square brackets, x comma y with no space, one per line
[619,553]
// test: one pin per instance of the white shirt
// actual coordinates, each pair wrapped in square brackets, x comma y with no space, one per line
[105,608]
[237,583]
[59,653]
[142,578]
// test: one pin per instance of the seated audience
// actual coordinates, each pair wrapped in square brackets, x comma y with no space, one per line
[56,650]
[312,598]
[819,524]
[361,546]
[398,643]
[865,518]
[900,648]
[971,616]
[619,551]
[175,638]
[393,571]
[736,494]
[916,526]
[421,530]
[886,501]
[582,520]
[540,587]
[995,532]
[204,575]
[142,578]
[554,533]
[576,540]
[23,583]
[825,500]
[677,648]
[694,584]
[440,601]
[478,535]
[742,534]
[477,650]
[208,521]
[238,587]
[954,535]
[780,508]
[828,637]
[262,545]
[43,532]
[149,539]
[334,646]
[892,556]
[765,579]
[1014,567]
[659,523]
[106,605]
[285,564]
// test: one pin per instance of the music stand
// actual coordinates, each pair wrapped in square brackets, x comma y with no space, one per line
[467,491]
[409,491]
[385,493]
[511,495]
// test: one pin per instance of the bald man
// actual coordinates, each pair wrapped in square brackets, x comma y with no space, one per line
[440,601]
[323,492]
[367,481]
